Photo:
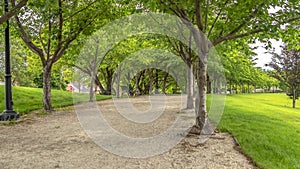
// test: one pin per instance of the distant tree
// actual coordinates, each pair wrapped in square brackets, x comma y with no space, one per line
[287,70]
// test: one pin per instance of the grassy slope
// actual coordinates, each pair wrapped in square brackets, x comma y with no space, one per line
[267,128]
[28,99]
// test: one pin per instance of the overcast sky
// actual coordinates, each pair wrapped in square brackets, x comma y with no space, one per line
[263,57]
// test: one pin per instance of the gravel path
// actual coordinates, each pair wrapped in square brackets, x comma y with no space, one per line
[57,140]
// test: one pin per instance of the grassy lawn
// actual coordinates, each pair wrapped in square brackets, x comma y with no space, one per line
[267,128]
[28,99]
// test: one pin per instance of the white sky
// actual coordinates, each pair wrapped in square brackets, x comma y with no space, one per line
[263,57]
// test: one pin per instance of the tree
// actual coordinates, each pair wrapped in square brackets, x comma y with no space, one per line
[220,21]
[49,27]
[287,70]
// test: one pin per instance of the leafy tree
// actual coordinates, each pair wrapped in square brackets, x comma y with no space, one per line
[49,27]
[225,20]
[287,70]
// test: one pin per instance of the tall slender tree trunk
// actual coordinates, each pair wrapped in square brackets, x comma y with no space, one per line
[203,50]
[230,84]
[189,89]
[165,83]
[109,79]
[118,82]
[156,82]
[98,83]
[201,108]
[92,87]
[294,97]
[150,81]
[79,87]
[248,88]
[209,87]
[137,81]
[47,87]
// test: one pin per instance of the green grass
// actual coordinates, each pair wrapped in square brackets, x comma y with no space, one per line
[267,128]
[28,99]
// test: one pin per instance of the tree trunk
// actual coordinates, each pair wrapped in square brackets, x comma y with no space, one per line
[215,89]
[208,85]
[230,84]
[92,87]
[98,83]
[248,87]
[150,81]
[156,82]
[242,88]
[47,87]
[201,108]
[189,89]
[79,86]
[294,97]
[109,81]
[165,83]
[137,81]
[118,82]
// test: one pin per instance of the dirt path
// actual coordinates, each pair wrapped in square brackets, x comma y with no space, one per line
[58,141]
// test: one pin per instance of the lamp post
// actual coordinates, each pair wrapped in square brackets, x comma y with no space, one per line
[8,113]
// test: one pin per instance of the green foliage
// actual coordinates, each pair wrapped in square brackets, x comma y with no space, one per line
[267,129]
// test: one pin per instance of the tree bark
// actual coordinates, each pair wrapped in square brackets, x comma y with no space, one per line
[156,82]
[201,110]
[118,82]
[98,83]
[165,83]
[109,81]
[92,87]
[294,97]
[248,87]
[150,81]
[230,84]
[189,87]
[208,85]
[79,87]
[137,81]
[47,87]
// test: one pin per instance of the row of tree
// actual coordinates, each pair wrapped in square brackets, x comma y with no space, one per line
[55,32]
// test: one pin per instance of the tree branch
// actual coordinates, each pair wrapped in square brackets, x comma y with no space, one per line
[60,22]
[61,48]
[234,36]
[206,17]
[11,13]
[49,37]
[216,19]
[246,20]
[77,12]
[198,15]
[29,43]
